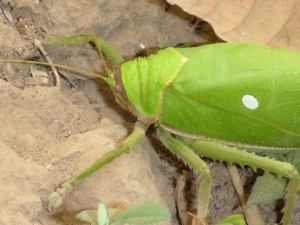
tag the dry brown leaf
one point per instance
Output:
(272, 22)
(179, 200)
(253, 214)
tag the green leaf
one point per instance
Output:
(102, 214)
(293, 157)
(89, 216)
(148, 212)
(233, 220)
(112, 212)
(267, 188)
(276, 155)
(94, 217)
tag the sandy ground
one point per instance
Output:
(48, 134)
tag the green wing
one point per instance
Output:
(205, 99)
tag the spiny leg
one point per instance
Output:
(194, 161)
(222, 152)
(56, 198)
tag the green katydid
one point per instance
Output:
(217, 99)
(245, 101)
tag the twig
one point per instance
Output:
(40, 47)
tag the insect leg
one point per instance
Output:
(56, 198)
(222, 152)
(103, 45)
(194, 161)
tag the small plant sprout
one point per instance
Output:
(148, 212)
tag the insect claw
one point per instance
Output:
(55, 199)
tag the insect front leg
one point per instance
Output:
(100, 42)
(56, 198)
(194, 161)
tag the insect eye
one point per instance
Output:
(117, 89)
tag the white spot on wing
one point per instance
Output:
(250, 102)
